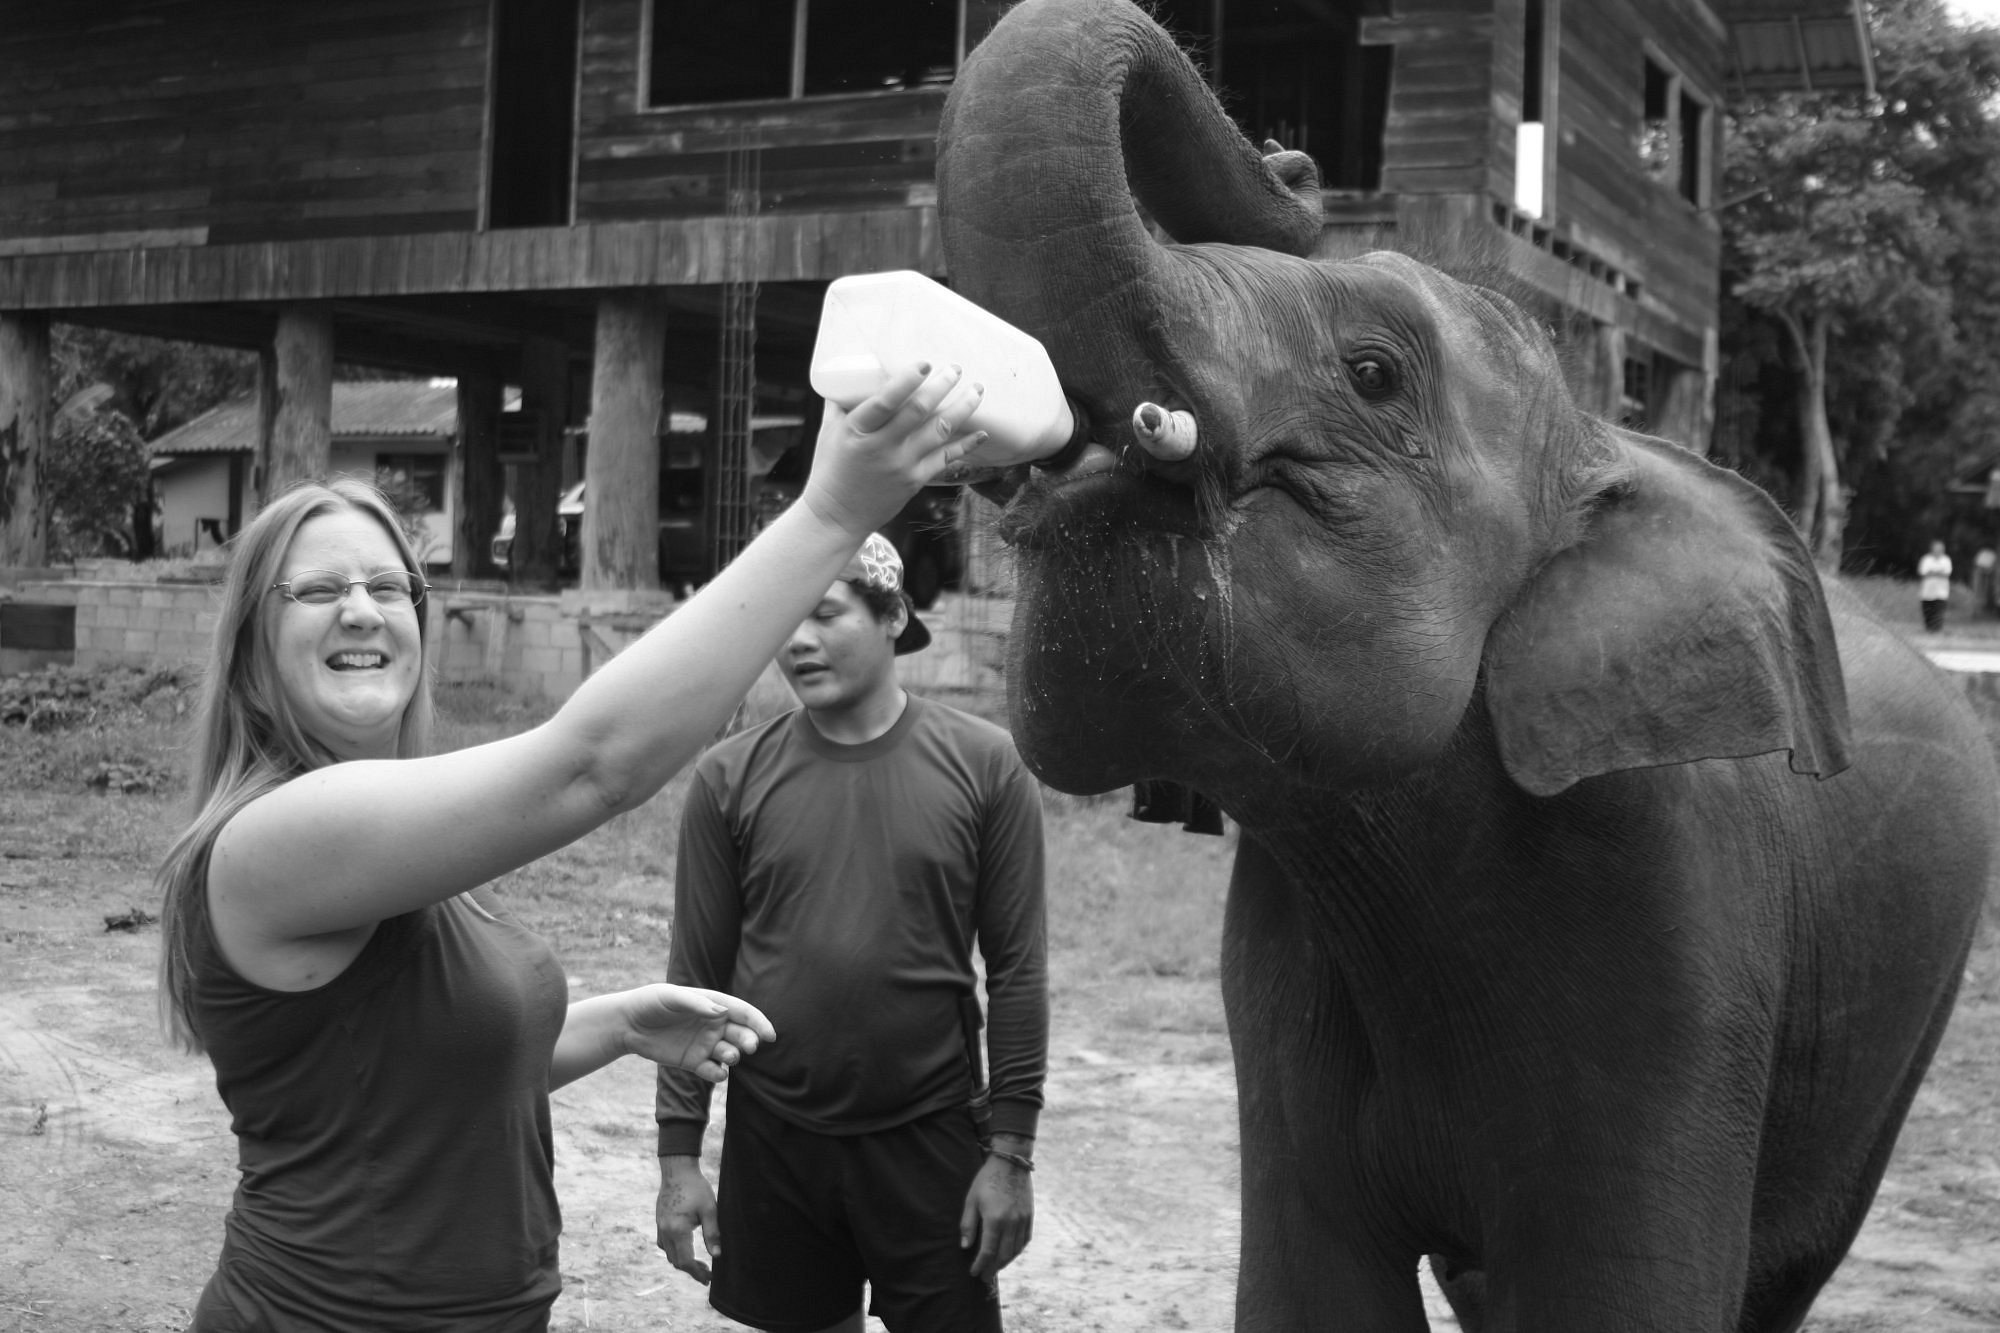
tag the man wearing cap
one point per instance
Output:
(836, 866)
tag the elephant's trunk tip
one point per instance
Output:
(1169, 436)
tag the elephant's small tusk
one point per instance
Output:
(1167, 436)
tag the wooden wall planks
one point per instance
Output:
(783, 247)
(863, 151)
(238, 123)
(1640, 224)
(250, 120)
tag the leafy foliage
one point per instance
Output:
(155, 383)
(411, 501)
(95, 478)
(114, 392)
(1862, 293)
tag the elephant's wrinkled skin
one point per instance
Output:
(1591, 928)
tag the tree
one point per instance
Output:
(157, 383)
(1846, 229)
(114, 392)
(95, 472)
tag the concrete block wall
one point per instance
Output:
(547, 647)
(528, 645)
(120, 623)
(542, 645)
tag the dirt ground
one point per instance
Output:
(116, 1161)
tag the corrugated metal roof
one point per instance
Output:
(1798, 45)
(361, 409)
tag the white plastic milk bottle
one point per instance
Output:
(875, 320)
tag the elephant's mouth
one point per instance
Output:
(1097, 499)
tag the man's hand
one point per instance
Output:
(685, 1202)
(999, 1214)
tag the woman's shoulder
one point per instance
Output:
(384, 949)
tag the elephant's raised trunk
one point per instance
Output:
(1065, 117)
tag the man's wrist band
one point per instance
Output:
(1014, 1158)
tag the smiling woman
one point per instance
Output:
(385, 1043)
(347, 656)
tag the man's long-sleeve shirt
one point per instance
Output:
(841, 888)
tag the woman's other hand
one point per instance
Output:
(870, 461)
(684, 1027)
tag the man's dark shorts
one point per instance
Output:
(807, 1218)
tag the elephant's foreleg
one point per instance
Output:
(1298, 1273)
(1313, 1252)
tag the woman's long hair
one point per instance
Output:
(247, 736)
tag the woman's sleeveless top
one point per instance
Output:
(393, 1133)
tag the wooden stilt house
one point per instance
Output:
(628, 208)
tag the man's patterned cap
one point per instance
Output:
(877, 565)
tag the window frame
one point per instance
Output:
(1547, 64)
(424, 462)
(1679, 91)
(801, 33)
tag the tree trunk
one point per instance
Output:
(1832, 536)
(24, 436)
(1822, 500)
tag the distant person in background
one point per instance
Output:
(1934, 586)
(1982, 579)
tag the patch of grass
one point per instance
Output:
(62, 728)
(472, 713)
(1131, 899)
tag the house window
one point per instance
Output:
(1531, 140)
(1297, 71)
(417, 475)
(1673, 130)
(704, 51)
(1635, 394)
(1656, 132)
(1694, 163)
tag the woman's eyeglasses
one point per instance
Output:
(323, 587)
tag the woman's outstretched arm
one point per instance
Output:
(344, 846)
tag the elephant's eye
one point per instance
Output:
(1373, 376)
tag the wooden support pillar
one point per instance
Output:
(24, 436)
(1679, 402)
(536, 556)
(295, 400)
(621, 518)
(481, 481)
(1606, 394)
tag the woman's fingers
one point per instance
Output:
(949, 417)
(905, 383)
(872, 459)
(911, 405)
(747, 1024)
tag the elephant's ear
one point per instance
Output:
(1688, 623)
